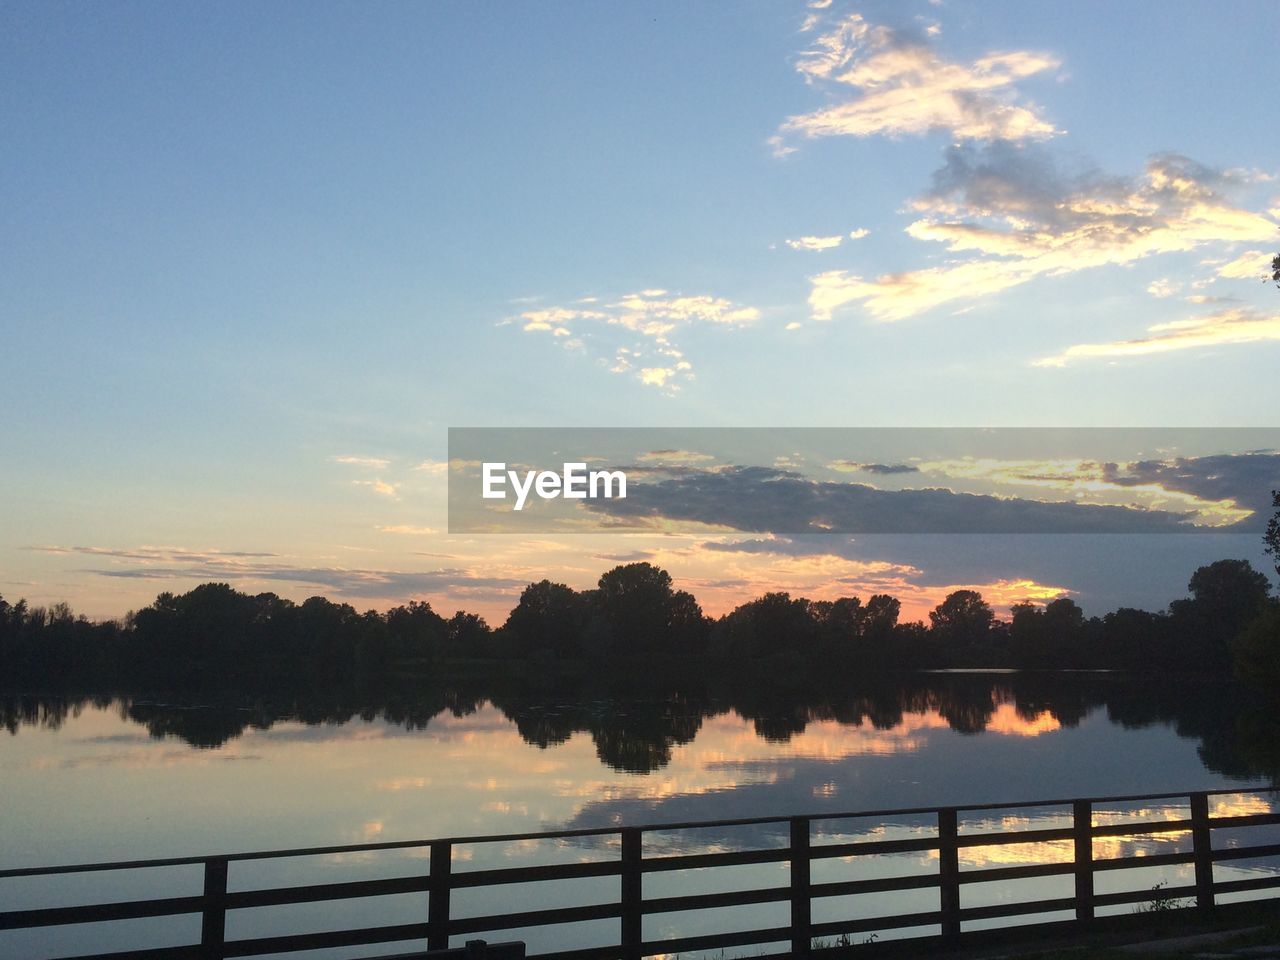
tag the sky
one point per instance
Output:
(258, 261)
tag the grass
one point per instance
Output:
(1161, 902)
(1251, 938)
(1159, 919)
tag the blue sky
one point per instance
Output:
(259, 259)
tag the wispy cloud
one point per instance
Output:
(815, 243)
(157, 554)
(171, 563)
(1233, 325)
(674, 456)
(377, 463)
(901, 86)
(380, 487)
(634, 335)
(1254, 265)
(883, 469)
(408, 530)
(1015, 217)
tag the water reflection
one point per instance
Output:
(149, 774)
(636, 729)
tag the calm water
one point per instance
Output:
(118, 778)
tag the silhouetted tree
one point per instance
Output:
(207, 631)
(880, 619)
(1027, 633)
(961, 621)
(636, 611)
(1052, 636)
(467, 635)
(1272, 537)
(840, 627)
(1135, 639)
(1229, 589)
(1226, 595)
(416, 630)
(549, 620)
(1256, 652)
(774, 624)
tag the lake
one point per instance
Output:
(123, 777)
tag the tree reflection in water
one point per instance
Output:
(636, 724)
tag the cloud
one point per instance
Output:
(1203, 298)
(767, 500)
(903, 86)
(1012, 216)
(826, 567)
(633, 335)
(656, 376)
(674, 456)
(380, 487)
(377, 463)
(859, 233)
(884, 469)
(157, 554)
(1233, 325)
(433, 467)
(1254, 265)
(1244, 479)
(408, 530)
(1103, 572)
(167, 563)
(1163, 288)
(342, 581)
(815, 243)
(1221, 490)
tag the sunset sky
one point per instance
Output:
(258, 260)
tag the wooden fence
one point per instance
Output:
(439, 880)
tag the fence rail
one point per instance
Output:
(800, 854)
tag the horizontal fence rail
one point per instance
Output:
(439, 929)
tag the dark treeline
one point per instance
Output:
(636, 722)
(215, 635)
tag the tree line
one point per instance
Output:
(214, 634)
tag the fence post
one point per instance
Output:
(801, 910)
(213, 920)
(949, 872)
(1082, 825)
(1202, 850)
(632, 893)
(438, 890)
